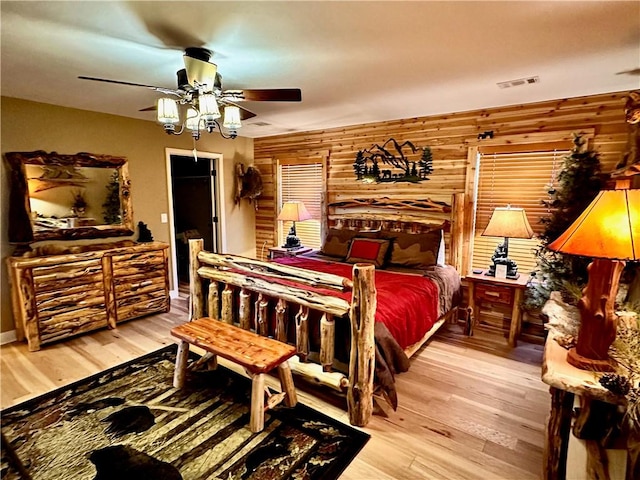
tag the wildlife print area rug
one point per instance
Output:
(130, 423)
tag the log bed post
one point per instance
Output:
(362, 355)
(196, 300)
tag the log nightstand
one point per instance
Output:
(496, 290)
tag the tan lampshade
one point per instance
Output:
(508, 222)
(294, 211)
(608, 228)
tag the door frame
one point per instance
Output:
(217, 190)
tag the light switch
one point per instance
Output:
(163, 218)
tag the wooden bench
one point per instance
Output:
(258, 355)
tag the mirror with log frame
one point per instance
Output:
(68, 197)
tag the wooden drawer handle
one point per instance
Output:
(492, 294)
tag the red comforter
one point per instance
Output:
(406, 304)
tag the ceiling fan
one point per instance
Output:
(199, 92)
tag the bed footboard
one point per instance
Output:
(246, 292)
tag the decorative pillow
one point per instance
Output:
(337, 242)
(414, 250)
(368, 250)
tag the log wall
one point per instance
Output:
(451, 138)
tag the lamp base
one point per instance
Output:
(287, 247)
(490, 273)
(584, 363)
(292, 242)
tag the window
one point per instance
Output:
(302, 181)
(520, 177)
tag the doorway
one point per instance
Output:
(194, 207)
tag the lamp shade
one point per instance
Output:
(508, 222)
(208, 106)
(168, 111)
(232, 117)
(193, 119)
(294, 211)
(608, 228)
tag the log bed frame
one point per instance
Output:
(232, 283)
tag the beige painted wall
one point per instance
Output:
(28, 126)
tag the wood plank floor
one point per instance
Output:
(469, 408)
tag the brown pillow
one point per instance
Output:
(338, 240)
(368, 250)
(414, 250)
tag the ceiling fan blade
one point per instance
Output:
(167, 91)
(149, 109)
(271, 95)
(246, 114)
(633, 71)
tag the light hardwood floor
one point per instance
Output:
(469, 408)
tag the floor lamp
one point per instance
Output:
(609, 231)
(294, 212)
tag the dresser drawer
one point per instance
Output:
(494, 293)
(133, 306)
(138, 263)
(69, 298)
(72, 323)
(138, 284)
(63, 276)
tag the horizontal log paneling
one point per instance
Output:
(449, 137)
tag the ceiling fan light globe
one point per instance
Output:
(208, 106)
(232, 117)
(168, 111)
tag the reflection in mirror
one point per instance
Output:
(73, 197)
(68, 196)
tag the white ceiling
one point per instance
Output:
(356, 62)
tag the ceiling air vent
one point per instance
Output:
(519, 82)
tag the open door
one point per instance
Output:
(194, 207)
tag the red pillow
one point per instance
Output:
(368, 250)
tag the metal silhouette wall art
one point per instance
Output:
(393, 162)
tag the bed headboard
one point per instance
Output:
(415, 216)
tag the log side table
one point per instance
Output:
(565, 382)
(497, 290)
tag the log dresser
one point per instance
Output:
(58, 292)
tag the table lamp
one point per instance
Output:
(506, 222)
(609, 231)
(295, 212)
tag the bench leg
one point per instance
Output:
(208, 358)
(257, 403)
(286, 383)
(181, 364)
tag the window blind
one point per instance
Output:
(302, 182)
(519, 179)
